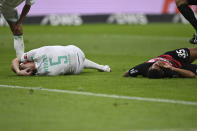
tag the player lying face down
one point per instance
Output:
(172, 64)
(54, 60)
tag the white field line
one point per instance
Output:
(105, 95)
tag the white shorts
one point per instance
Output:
(10, 14)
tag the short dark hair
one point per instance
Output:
(154, 74)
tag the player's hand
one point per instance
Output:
(25, 72)
(167, 65)
(160, 64)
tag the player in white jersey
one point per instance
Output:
(54, 60)
(9, 11)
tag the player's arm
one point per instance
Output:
(15, 67)
(181, 72)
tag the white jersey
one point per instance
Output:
(56, 60)
(8, 8)
(15, 3)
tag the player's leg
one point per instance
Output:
(92, 65)
(193, 54)
(85, 63)
(11, 17)
(18, 39)
(187, 12)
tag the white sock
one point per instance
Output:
(19, 45)
(92, 65)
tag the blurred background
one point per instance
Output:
(77, 12)
(85, 7)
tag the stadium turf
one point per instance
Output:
(121, 47)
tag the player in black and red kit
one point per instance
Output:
(176, 63)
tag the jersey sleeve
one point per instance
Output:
(28, 56)
(29, 2)
(139, 70)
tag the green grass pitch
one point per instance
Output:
(121, 47)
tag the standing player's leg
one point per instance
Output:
(187, 12)
(92, 65)
(18, 39)
(11, 17)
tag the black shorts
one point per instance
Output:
(192, 2)
(182, 55)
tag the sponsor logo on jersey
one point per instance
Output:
(46, 65)
(25, 56)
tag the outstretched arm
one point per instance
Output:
(182, 72)
(16, 69)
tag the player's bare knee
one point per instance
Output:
(181, 2)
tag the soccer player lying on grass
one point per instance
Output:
(54, 60)
(176, 63)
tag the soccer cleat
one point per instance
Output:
(194, 39)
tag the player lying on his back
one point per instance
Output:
(176, 63)
(54, 60)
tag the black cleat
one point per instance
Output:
(194, 39)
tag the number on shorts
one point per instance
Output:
(181, 53)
